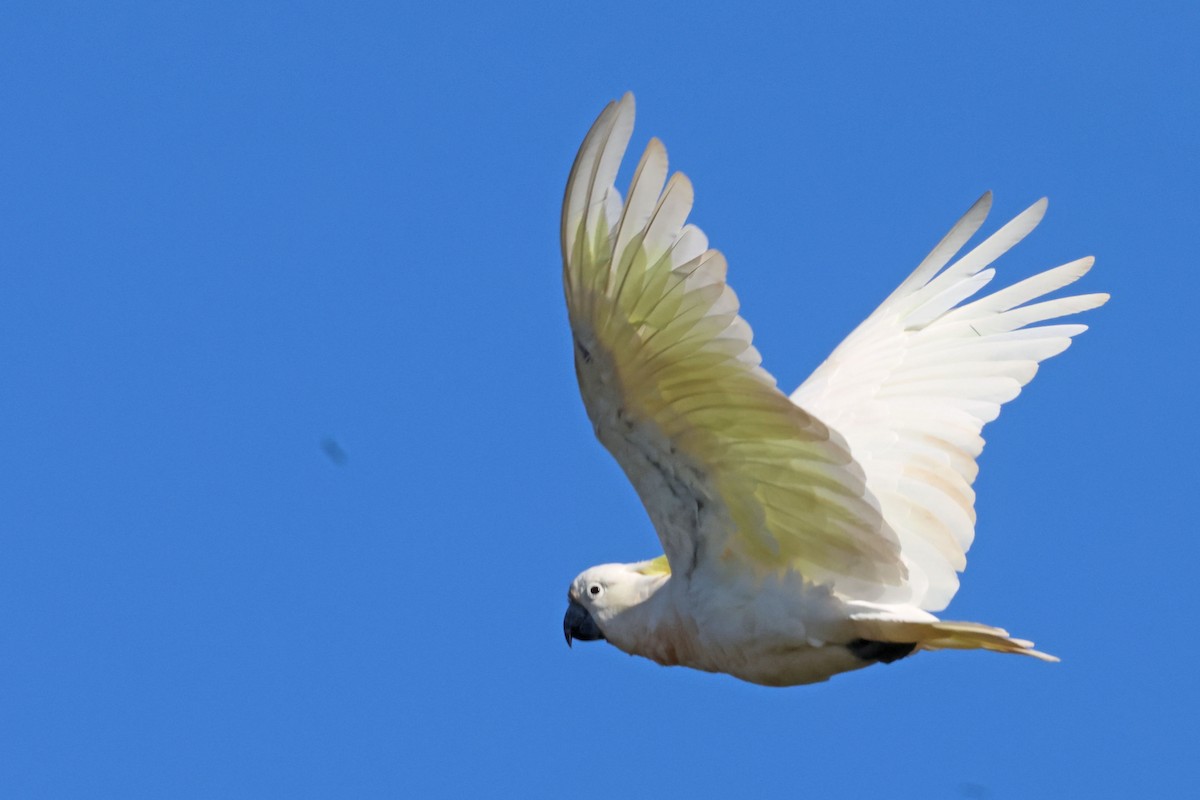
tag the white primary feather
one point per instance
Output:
(911, 388)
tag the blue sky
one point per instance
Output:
(233, 233)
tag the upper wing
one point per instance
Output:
(911, 388)
(726, 465)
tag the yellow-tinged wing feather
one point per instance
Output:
(727, 467)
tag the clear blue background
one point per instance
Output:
(241, 241)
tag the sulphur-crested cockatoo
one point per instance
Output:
(808, 535)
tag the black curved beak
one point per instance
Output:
(578, 624)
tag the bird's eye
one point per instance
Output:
(595, 590)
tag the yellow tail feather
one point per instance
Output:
(947, 635)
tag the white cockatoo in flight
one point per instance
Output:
(803, 535)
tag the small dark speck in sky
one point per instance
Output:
(334, 450)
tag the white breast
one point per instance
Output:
(775, 631)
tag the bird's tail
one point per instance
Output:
(946, 635)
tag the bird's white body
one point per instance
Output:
(778, 632)
(806, 535)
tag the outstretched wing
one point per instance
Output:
(726, 466)
(911, 388)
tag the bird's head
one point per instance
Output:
(600, 596)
